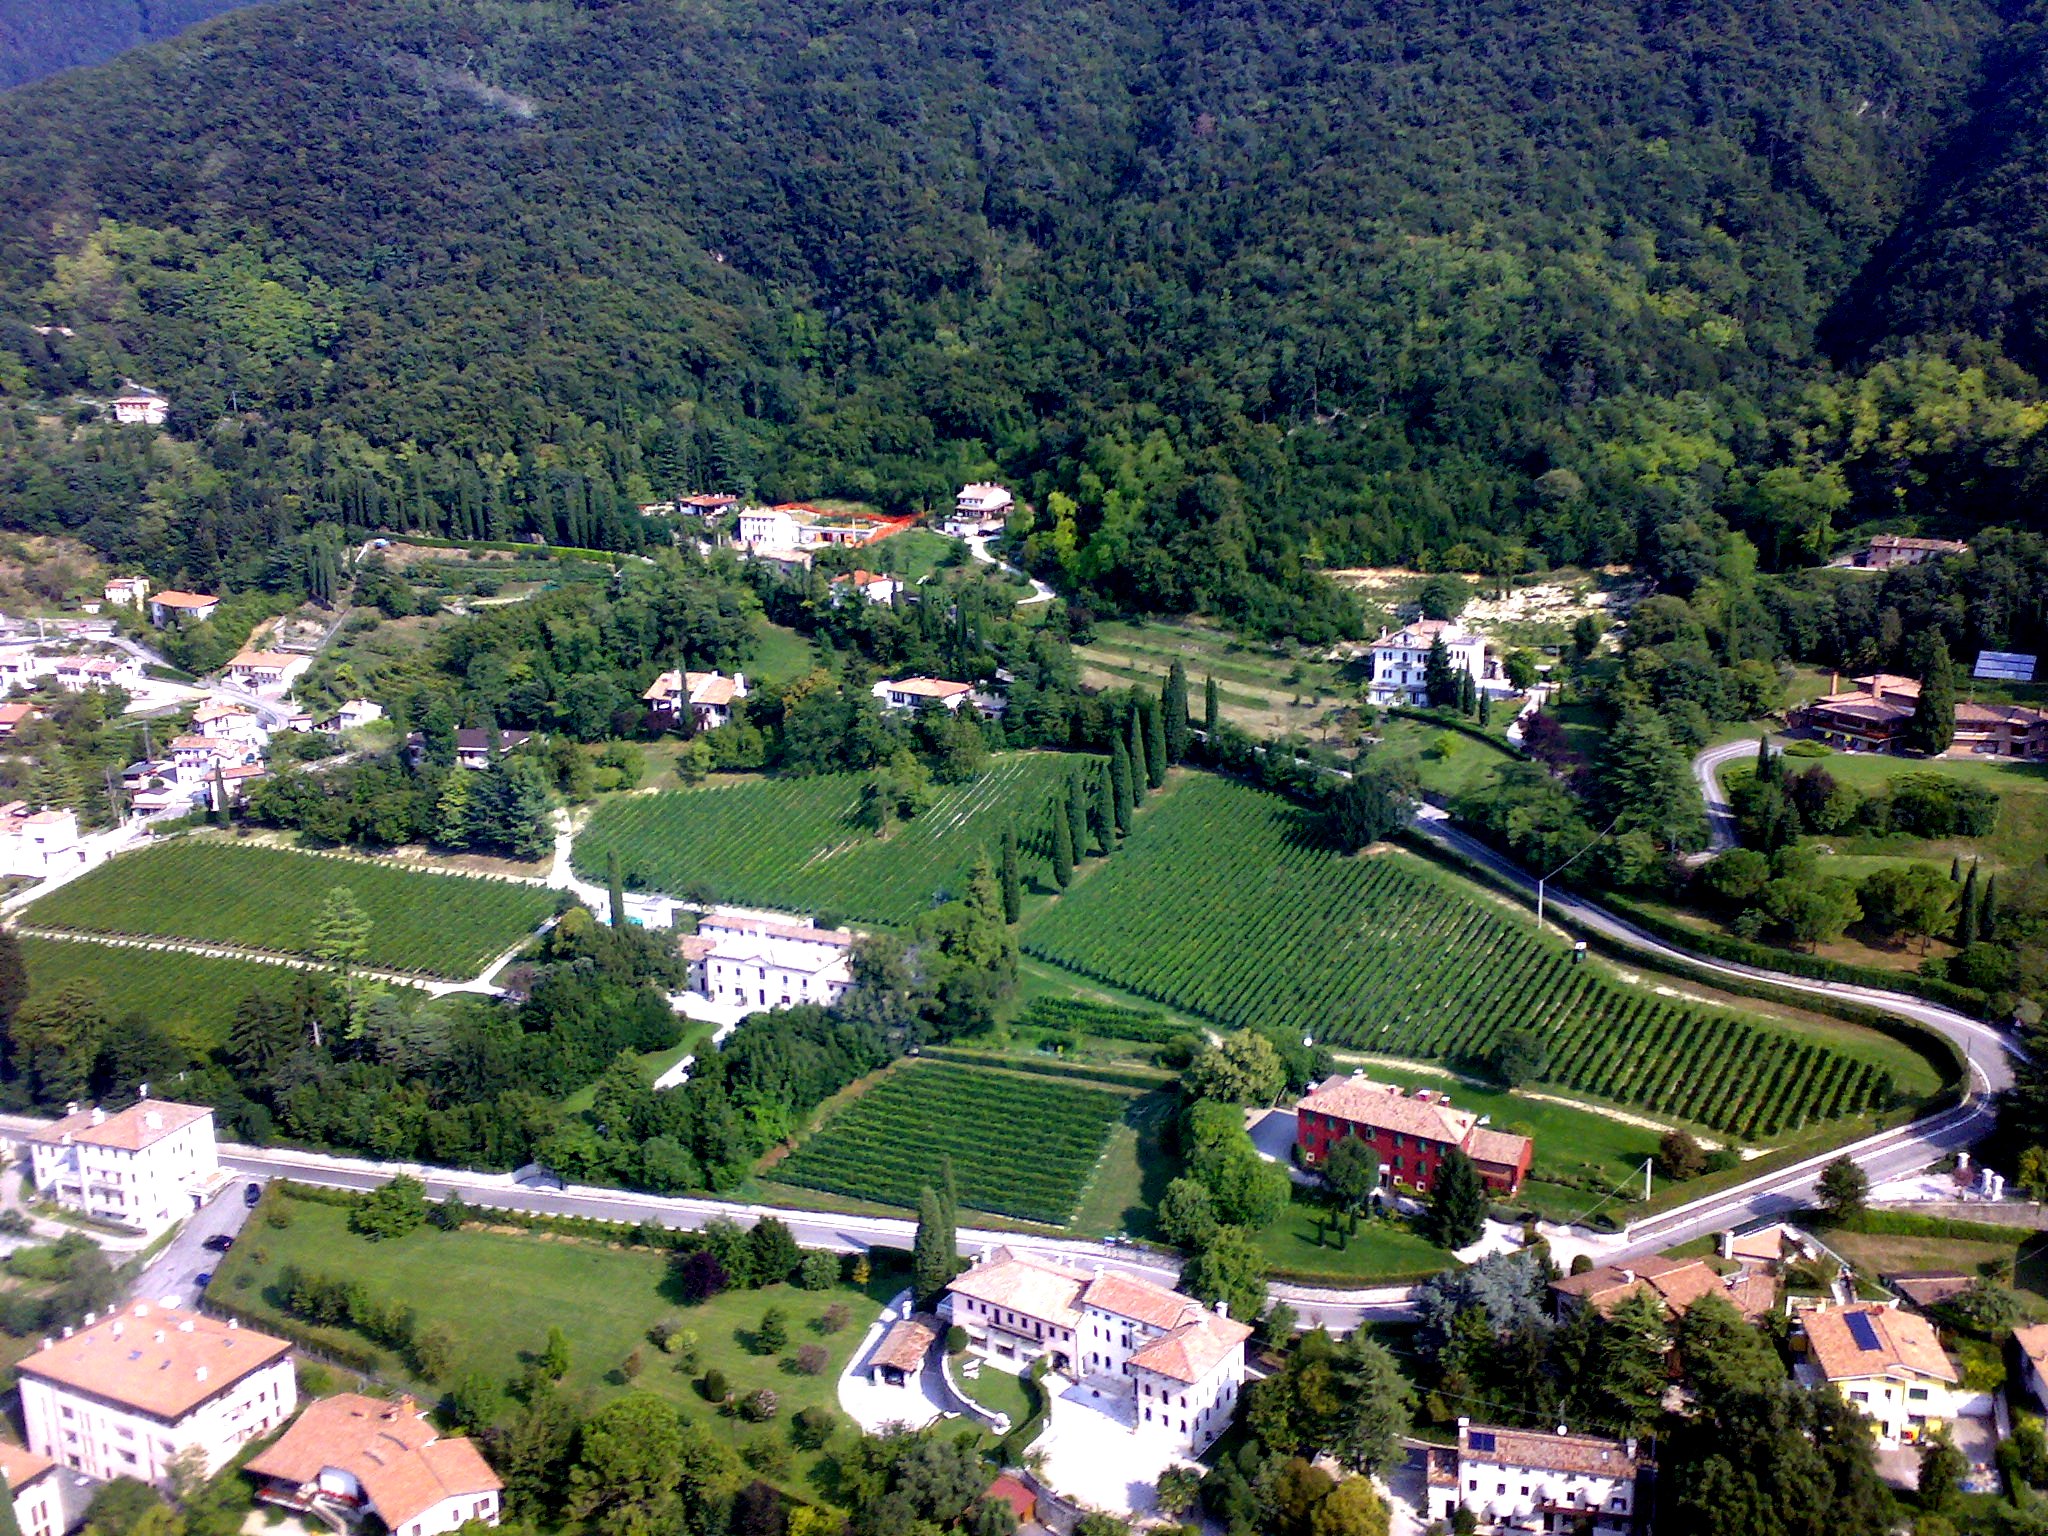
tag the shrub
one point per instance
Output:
(817, 1272)
(1679, 1156)
(714, 1386)
(956, 1340)
(768, 1457)
(630, 1367)
(812, 1427)
(758, 1406)
(812, 1359)
(773, 1333)
(391, 1210)
(837, 1315)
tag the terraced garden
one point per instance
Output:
(794, 844)
(1224, 904)
(270, 898)
(1021, 1146)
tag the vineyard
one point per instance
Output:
(192, 996)
(1222, 903)
(1105, 1021)
(794, 844)
(269, 899)
(1022, 1147)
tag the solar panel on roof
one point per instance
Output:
(1480, 1439)
(1863, 1331)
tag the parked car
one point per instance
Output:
(251, 1193)
(203, 1279)
(220, 1242)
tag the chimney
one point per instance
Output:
(152, 1120)
(159, 1336)
(1628, 1277)
(1464, 1422)
(99, 1116)
(1223, 1309)
(143, 1090)
(67, 1332)
(43, 1342)
(91, 1318)
(199, 1373)
(185, 1325)
(1727, 1244)
(1562, 1430)
(234, 1323)
(1877, 686)
(118, 1329)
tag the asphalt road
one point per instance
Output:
(173, 1275)
(1720, 815)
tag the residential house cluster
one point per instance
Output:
(222, 750)
(1872, 716)
(1676, 1285)
(38, 843)
(790, 532)
(1172, 1367)
(32, 663)
(352, 1456)
(869, 585)
(1411, 1132)
(745, 960)
(1400, 661)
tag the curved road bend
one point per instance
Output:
(1706, 768)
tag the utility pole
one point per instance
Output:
(1544, 880)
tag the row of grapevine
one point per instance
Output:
(1020, 1146)
(1223, 904)
(1104, 1020)
(796, 844)
(270, 898)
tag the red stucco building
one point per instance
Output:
(1411, 1132)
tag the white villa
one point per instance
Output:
(792, 526)
(96, 674)
(709, 695)
(147, 1167)
(756, 962)
(349, 1456)
(37, 844)
(875, 588)
(1525, 1480)
(1400, 660)
(182, 608)
(1173, 1364)
(1888, 1364)
(139, 406)
(229, 722)
(980, 508)
(126, 1394)
(266, 671)
(126, 591)
(916, 692)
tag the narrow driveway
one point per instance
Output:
(172, 1276)
(1720, 814)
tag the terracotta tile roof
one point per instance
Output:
(405, 1468)
(1049, 1293)
(1892, 1343)
(162, 1361)
(928, 687)
(2033, 1343)
(1141, 1301)
(1678, 1283)
(761, 927)
(1496, 1147)
(175, 599)
(1755, 1294)
(1439, 1466)
(904, 1346)
(1190, 1352)
(1931, 546)
(1420, 635)
(1585, 1454)
(22, 1466)
(1008, 1490)
(690, 947)
(1385, 1107)
(1765, 1245)
(14, 714)
(1927, 1288)
(140, 1125)
(266, 661)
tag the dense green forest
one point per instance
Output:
(40, 37)
(1234, 290)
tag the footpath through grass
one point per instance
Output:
(499, 1292)
(214, 891)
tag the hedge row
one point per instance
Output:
(1910, 1224)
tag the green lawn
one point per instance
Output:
(1379, 1250)
(1446, 762)
(998, 1391)
(696, 1033)
(780, 655)
(1133, 1173)
(214, 890)
(192, 996)
(500, 1292)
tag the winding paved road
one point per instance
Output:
(1720, 814)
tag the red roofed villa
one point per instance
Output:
(1410, 1132)
(349, 1455)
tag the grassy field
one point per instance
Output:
(500, 1292)
(792, 843)
(1445, 762)
(1303, 1243)
(268, 898)
(2020, 838)
(779, 654)
(1269, 689)
(1021, 1146)
(1224, 904)
(191, 995)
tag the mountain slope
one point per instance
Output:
(40, 37)
(1256, 283)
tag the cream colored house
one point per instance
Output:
(147, 1167)
(127, 1394)
(349, 1456)
(1525, 1480)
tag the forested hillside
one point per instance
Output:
(40, 37)
(1235, 290)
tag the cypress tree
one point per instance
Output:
(615, 887)
(1968, 920)
(1764, 769)
(1135, 753)
(1955, 870)
(1987, 909)
(1062, 847)
(933, 1251)
(1210, 714)
(1013, 878)
(1155, 747)
(1933, 725)
(1486, 709)
(1173, 703)
(1457, 1202)
(1076, 813)
(1120, 784)
(1104, 814)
